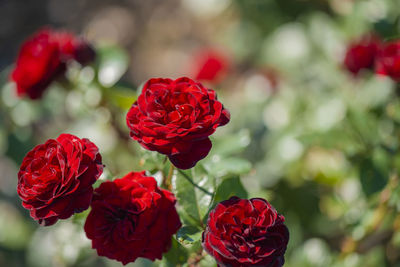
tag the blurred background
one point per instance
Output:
(318, 143)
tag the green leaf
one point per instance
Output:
(364, 126)
(228, 188)
(372, 176)
(220, 167)
(152, 161)
(231, 144)
(176, 255)
(80, 218)
(123, 97)
(113, 63)
(386, 28)
(335, 138)
(194, 193)
(189, 234)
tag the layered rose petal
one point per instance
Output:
(55, 179)
(43, 57)
(188, 159)
(175, 118)
(243, 233)
(132, 217)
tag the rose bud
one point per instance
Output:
(242, 232)
(132, 217)
(55, 179)
(42, 59)
(210, 65)
(361, 54)
(388, 60)
(175, 118)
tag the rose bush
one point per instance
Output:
(55, 178)
(243, 232)
(43, 57)
(132, 217)
(175, 118)
(319, 141)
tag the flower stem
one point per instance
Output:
(194, 184)
(195, 260)
(167, 180)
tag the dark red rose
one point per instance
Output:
(55, 179)
(43, 57)
(388, 60)
(243, 233)
(84, 53)
(361, 54)
(73, 47)
(210, 65)
(132, 217)
(175, 118)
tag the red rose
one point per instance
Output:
(132, 217)
(72, 47)
(362, 54)
(55, 179)
(43, 57)
(210, 65)
(243, 233)
(388, 60)
(175, 118)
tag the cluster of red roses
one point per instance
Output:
(371, 53)
(44, 57)
(132, 216)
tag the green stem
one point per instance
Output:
(195, 259)
(194, 184)
(167, 180)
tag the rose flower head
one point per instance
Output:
(242, 232)
(210, 65)
(55, 179)
(43, 58)
(361, 54)
(176, 118)
(132, 217)
(388, 60)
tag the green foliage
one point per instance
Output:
(228, 188)
(122, 97)
(112, 64)
(373, 177)
(220, 167)
(231, 144)
(194, 194)
(176, 255)
(189, 234)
